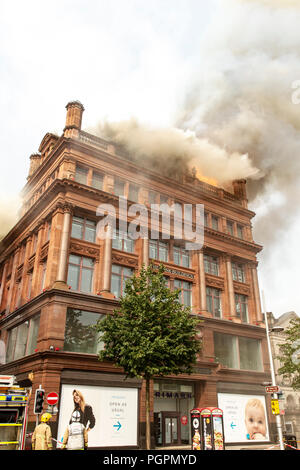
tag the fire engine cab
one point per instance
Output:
(13, 414)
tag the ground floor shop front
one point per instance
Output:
(115, 406)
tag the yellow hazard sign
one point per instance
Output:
(275, 407)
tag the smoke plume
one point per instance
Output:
(243, 99)
(239, 118)
(175, 152)
(9, 208)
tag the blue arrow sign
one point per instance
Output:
(118, 425)
(232, 425)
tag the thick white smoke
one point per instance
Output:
(242, 99)
(175, 151)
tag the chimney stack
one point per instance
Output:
(73, 119)
(239, 189)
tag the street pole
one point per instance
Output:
(275, 396)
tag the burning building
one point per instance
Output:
(58, 279)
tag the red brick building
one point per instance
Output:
(57, 278)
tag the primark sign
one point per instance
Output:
(173, 395)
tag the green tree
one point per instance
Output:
(151, 333)
(290, 354)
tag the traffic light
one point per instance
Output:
(38, 401)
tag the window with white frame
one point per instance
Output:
(211, 264)
(213, 301)
(80, 273)
(83, 229)
(185, 295)
(119, 276)
(238, 272)
(158, 250)
(97, 180)
(121, 241)
(181, 257)
(81, 174)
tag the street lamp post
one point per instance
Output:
(275, 396)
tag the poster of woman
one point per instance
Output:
(109, 414)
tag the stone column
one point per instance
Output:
(232, 312)
(61, 279)
(12, 281)
(3, 282)
(202, 284)
(146, 252)
(25, 268)
(36, 270)
(259, 314)
(107, 262)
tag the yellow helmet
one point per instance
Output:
(45, 417)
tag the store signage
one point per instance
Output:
(178, 273)
(272, 389)
(172, 395)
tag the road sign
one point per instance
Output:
(275, 407)
(272, 389)
(52, 398)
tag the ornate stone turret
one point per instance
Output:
(240, 192)
(73, 119)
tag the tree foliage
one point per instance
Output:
(290, 354)
(151, 333)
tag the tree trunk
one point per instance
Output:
(148, 422)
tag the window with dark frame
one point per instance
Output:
(241, 306)
(22, 339)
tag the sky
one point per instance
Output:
(165, 63)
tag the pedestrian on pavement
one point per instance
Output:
(42, 437)
(76, 436)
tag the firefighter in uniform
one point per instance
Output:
(42, 437)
